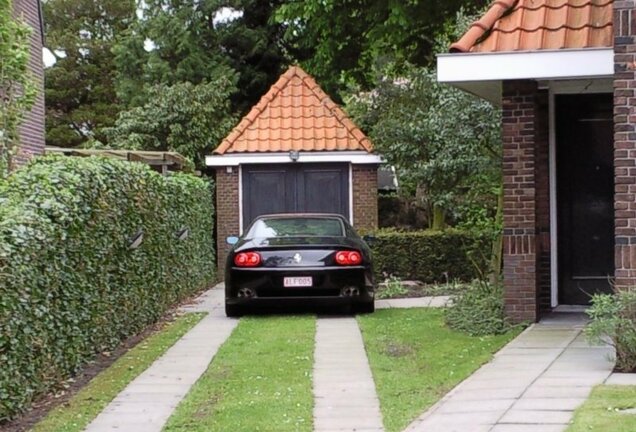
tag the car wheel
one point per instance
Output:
(233, 311)
(366, 307)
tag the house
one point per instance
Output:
(563, 73)
(32, 128)
(295, 151)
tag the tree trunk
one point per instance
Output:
(497, 244)
(439, 218)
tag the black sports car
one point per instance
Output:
(288, 257)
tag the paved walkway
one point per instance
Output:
(532, 385)
(148, 401)
(344, 391)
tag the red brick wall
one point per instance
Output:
(625, 142)
(365, 196)
(32, 129)
(526, 200)
(227, 212)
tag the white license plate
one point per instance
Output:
(305, 281)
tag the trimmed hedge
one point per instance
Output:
(430, 256)
(70, 286)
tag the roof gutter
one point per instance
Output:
(235, 159)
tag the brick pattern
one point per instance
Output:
(542, 179)
(32, 129)
(520, 123)
(625, 142)
(227, 212)
(365, 197)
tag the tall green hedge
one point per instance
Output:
(70, 286)
(430, 256)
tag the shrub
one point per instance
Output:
(70, 286)
(614, 317)
(478, 310)
(430, 256)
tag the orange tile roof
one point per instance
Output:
(295, 114)
(529, 25)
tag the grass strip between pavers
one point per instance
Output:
(415, 359)
(604, 410)
(260, 380)
(82, 408)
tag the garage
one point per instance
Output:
(295, 151)
(297, 188)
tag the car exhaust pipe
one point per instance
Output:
(246, 293)
(350, 292)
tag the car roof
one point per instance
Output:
(301, 215)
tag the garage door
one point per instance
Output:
(295, 188)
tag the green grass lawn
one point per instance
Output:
(416, 359)
(260, 380)
(602, 411)
(78, 412)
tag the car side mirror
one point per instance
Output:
(232, 240)
(369, 239)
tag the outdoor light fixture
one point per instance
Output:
(136, 240)
(294, 155)
(183, 233)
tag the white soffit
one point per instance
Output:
(482, 73)
(236, 159)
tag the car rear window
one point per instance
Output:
(296, 227)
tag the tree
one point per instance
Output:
(185, 118)
(17, 88)
(340, 41)
(190, 41)
(80, 87)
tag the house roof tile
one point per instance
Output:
(529, 25)
(295, 114)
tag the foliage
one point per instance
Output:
(341, 41)
(192, 43)
(17, 88)
(260, 380)
(393, 288)
(80, 86)
(186, 118)
(70, 286)
(82, 408)
(429, 256)
(614, 317)
(416, 360)
(606, 410)
(438, 137)
(478, 310)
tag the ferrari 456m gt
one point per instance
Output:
(291, 257)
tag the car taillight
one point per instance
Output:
(247, 259)
(348, 258)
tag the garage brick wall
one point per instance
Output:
(365, 197)
(32, 129)
(227, 212)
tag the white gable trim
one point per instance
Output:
(236, 159)
(539, 65)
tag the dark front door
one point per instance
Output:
(295, 188)
(585, 196)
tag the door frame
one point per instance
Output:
(589, 86)
(240, 194)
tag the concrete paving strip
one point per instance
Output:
(417, 302)
(622, 379)
(534, 384)
(148, 401)
(344, 392)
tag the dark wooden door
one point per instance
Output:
(295, 188)
(585, 196)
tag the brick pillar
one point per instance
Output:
(625, 142)
(365, 197)
(227, 212)
(520, 118)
